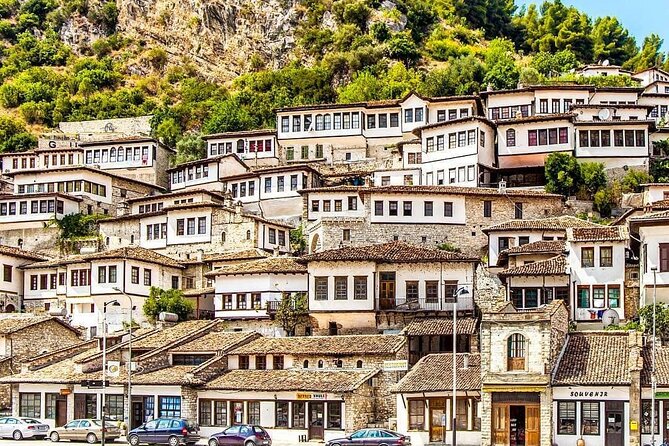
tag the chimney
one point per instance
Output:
(227, 200)
(489, 87)
(199, 254)
(238, 208)
(465, 361)
(275, 251)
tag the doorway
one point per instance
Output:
(615, 431)
(137, 418)
(316, 421)
(517, 425)
(387, 291)
(61, 411)
(437, 419)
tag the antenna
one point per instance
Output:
(606, 63)
(604, 114)
(501, 186)
(610, 317)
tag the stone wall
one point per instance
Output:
(360, 410)
(42, 240)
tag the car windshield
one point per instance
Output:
(30, 421)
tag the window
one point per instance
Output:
(606, 256)
(321, 287)
(587, 257)
(204, 413)
(532, 137)
(618, 139)
(169, 406)
(518, 210)
(510, 137)
(338, 205)
(646, 413)
(254, 407)
(487, 208)
(290, 154)
(202, 225)
(543, 105)
(516, 352)
(134, 275)
(371, 121)
(583, 296)
(360, 288)
(502, 244)
(261, 362)
(346, 235)
(341, 288)
(408, 115)
(352, 203)
(115, 407)
(523, 240)
(448, 208)
(30, 405)
(279, 184)
(281, 416)
(598, 296)
(431, 291)
(407, 208)
(416, 415)
(272, 236)
(412, 291)
(664, 257)
(147, 277)
(614, 296)
(563, 135)
(428, 208)
(334, 414)
(392, 208)
(327, 205)
(590, 418)
(430, 144)
(566, 418)
(7, 273)
(180, 226)
(299, 415)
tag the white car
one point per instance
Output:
(22, 427)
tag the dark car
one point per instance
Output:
(375, 437)
(241, 435)
(171, 431)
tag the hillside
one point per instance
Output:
(211, 66)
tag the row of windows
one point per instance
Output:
(64, 186)
(452, 114)
(621, 138)
(242, 301)
(276, 237)
(555, 105)
(598, 296)
(190, 174)
(460, 175)
(156, 231)
(304, 152)
(187, 226)
(466, 413)
(536, 297)
(119, 155)
(336, 121)
(605, 257)
(509, 112)
(153, 207)
(36, 207)
(589, 418)
(541, 137)
(82, 277)
(46, 281)
(241, 146)
(56, 158)
(260, 362)
(414, 158)
(25, 162)
(384, 120)
(341, 288)
(326, 205)
(662, 111)
(407, 208)
(456, 139)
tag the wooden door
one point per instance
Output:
(615, 431)
(437, 419)
(532, 420)
(137, 414)
(500, 424)
(387, 291)
(316, 421)
(61, 411)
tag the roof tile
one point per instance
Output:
(324, 345)
(269, 265)
(323, 380)
(432, 374)
(603, 234)
(556, 223)
(440, 326)
(396, 251)
(554, 266)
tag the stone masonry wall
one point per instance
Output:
(359, 408)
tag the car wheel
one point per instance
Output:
(17, 435)
(213, 442)
(91, 438)
(249, 443)
(54, 437)
(173, 441)
(133, 440)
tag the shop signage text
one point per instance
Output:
(311, 396)
(589, 394)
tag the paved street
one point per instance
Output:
(119, 442)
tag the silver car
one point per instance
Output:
(22, 427)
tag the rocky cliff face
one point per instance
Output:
(221, 36)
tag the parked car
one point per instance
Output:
(20, 427)
(170, 431)
(88, 430)
(241, 435)
(376, 437)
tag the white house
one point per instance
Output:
(250, 145)
(13, 260)
(652, 230)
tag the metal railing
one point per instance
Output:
(423, 304)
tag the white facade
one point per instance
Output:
(256, 144)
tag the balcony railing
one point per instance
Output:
(273, 307)
(423, 304)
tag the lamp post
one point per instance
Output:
(653, 383)
(462, 291)
(129, 367)
(104, 365)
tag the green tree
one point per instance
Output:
(14, 137)
(292, 312)
(168, 132)
(460, 76)
(612, 41)
(563, 174)
(661, 319)
(603, 202)
(74, 226)
(553, 64)
(169, 301)
(633, 180)
(501, 69)
(402, 47)
(649, 56)
(190, 148)
(228, 116)
(593, 177)
(298, 241)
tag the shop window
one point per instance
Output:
(334, 415)
(281, 414)
(566, 418)
(646, 419)
(204, 413)
(254, 412)
(30, 405)
(169, 406)
(590, 418)
(299, 415)
(416, 415)
(220, 413)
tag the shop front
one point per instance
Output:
(516, 418)
(599, 415)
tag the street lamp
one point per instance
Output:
(462, 291)
(653, 383)
(129, 366)
(104, 364)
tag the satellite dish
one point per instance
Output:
(606, 63)
(604, 114)
(610, 317)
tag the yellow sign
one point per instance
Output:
(311, 396)
(634, 425)
(65, 391)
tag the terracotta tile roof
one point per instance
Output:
(14, 323)
(118, 140)
(661, 215)
(452, 122)
(541, 246)
(74, 169)
(325, 345)
(268, 221)
(439, 190)
(440, 326)
(172, 375)
(199, 291)
(397, 252)
(537, 118)
(603, 234)
(154, 197)
(269, 265)
(594, 358)
(315, 380)
(129, 252)
(433, 374)
(63, 372)
(17, 252)
(170, 334)
(661, 365)
(246, 254)
(659, 205)
(542, 224)
(216, 341)
(554, 266)
(240, 133)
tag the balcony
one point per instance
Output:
(273, 307)
(402, 304)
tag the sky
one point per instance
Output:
(640, 17)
